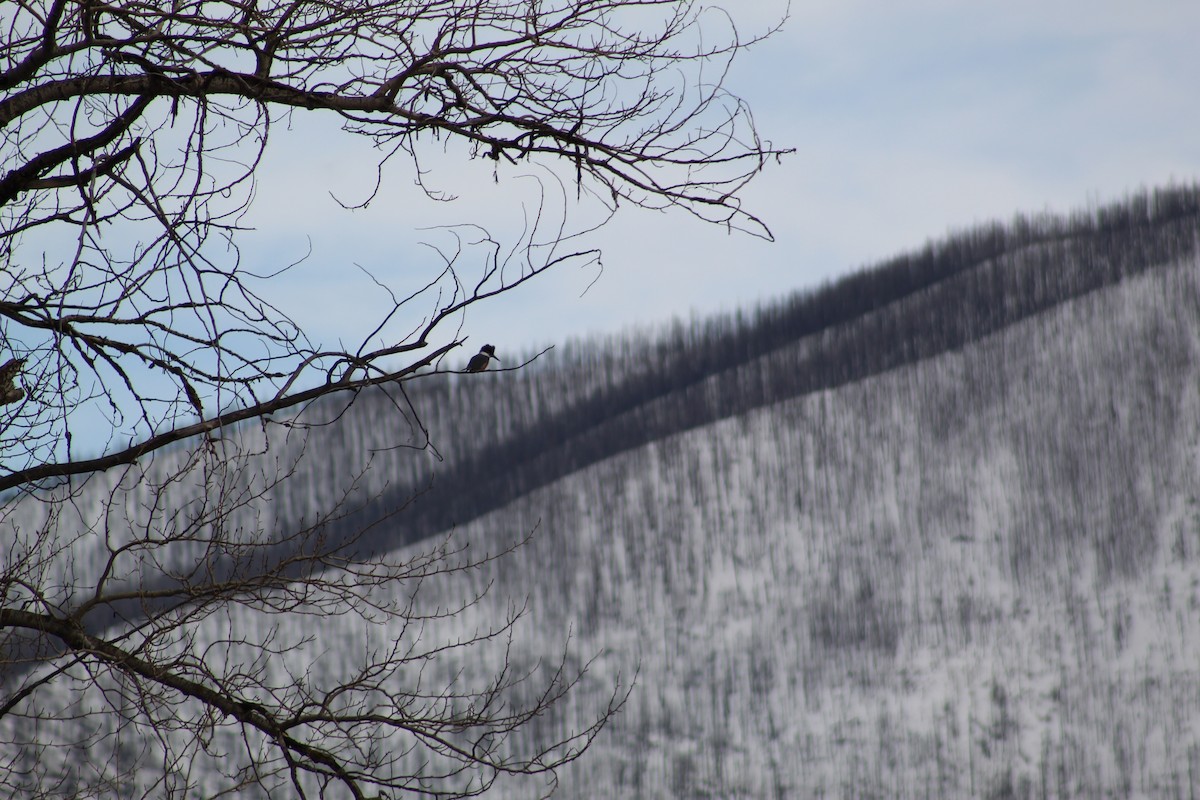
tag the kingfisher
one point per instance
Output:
(479, 362)
(9, 391)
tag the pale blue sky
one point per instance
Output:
(909, 119)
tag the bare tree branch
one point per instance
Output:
(153, 598)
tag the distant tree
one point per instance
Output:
(131, 135)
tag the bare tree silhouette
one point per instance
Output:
(131, 135)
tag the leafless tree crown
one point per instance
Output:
(131, 134)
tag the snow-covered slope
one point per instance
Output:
(974, 575)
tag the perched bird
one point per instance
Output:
(9, 391)
(479, 362)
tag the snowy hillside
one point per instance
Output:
(954, 565)
(975, 576)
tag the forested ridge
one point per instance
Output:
(606, 397)
(399, 467)
(967, 569)
(876, 539)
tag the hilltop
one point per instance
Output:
(929, 531)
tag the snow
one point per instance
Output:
(978, 575)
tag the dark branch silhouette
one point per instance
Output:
(148, 590)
